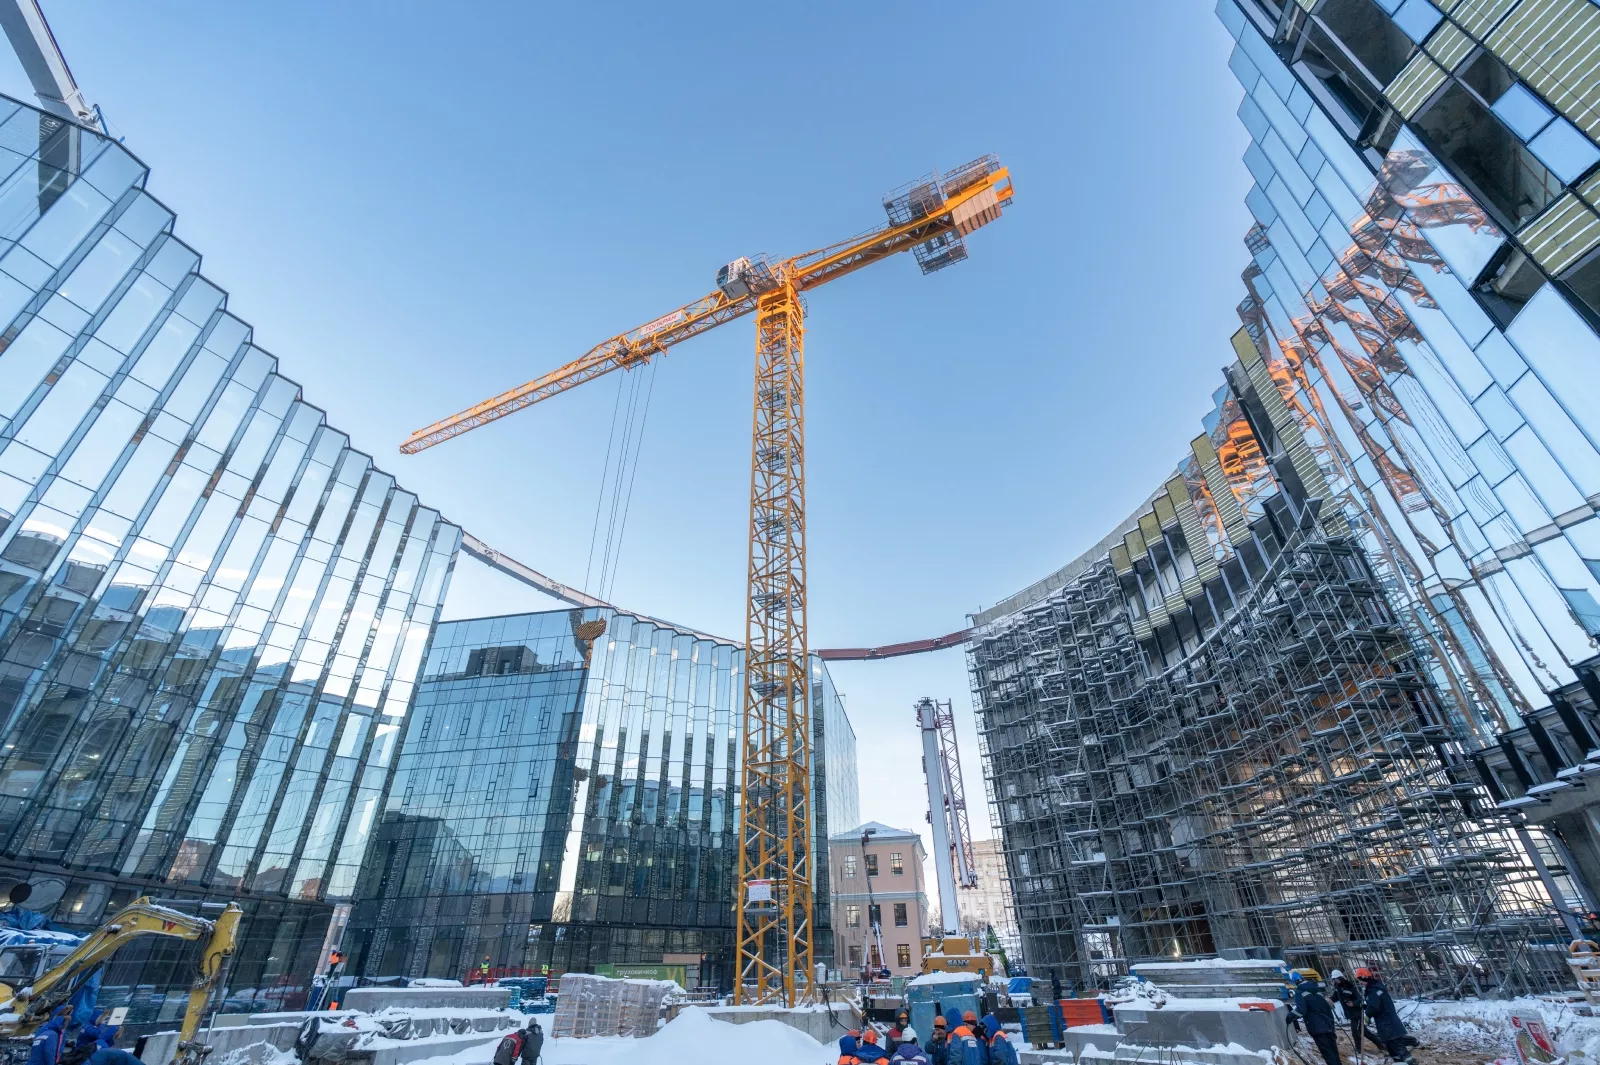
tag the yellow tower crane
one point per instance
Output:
(929, 218)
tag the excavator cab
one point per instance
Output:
(24, 957)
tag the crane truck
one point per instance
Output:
(41, 971)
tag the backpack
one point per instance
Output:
(508, 1050)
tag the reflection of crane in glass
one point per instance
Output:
(930, 219)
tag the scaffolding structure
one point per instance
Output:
(1294, 786)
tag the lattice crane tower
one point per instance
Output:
(929, 218)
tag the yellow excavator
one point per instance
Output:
(37, 978)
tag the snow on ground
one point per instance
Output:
(1478, 1031)
(694, 1035)
(1483, 1026)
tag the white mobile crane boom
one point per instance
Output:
(952, 841)
(938, 815)
(44, 64)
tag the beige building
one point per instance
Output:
(990, 903)
(882, 875)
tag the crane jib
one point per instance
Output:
(773, 891)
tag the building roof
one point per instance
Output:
(880, 832)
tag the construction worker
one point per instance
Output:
(1317, 1012)
(1352, 1003)
(908, 1053)
(532, 1043)
(1385, 1018)
(847, 1048)
(939, 1042)
(1001, 1052)
(868, 1051)
(902, 1021)
(965, 1041)
(46, 1048)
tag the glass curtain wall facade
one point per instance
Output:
(557, 807)
(212, 607)
(1425, 289)
(1406, 450)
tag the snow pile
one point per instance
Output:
(1481, 1028)
(694, 1035)
(941, 977)
(258, 1054)
(1137, 993)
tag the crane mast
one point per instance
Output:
(930, 217)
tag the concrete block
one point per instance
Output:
(812, 1020)
(161, 1047)
(373, 999)
(403, 1053)
(1179, 1025)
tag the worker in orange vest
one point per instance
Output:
(847, 1048)
(965, 1040)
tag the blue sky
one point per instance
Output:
(420, 205)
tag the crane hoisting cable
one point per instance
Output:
(930, 218)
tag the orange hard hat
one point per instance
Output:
(1363, 973)
(969, 1017)
(939, 1021)
(870, 1035)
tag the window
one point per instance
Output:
(902, 955)
(1486, 155)
(872, 865)
(875, 915)
(854, 954)
(852, 916)
(850, 866)
(897, 865)
(1381, 47)
(899, 915)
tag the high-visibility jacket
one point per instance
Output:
(1001, 1052)
(973, 1048)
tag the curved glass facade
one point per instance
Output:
(1373, 586)
(1406, 304)
(212, 607)
(554, 811)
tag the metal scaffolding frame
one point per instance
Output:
(1294, 786)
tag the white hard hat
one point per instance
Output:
(1336, 975)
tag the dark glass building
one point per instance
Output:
(212, 607)
(560, 806)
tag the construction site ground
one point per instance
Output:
(1475, 1032)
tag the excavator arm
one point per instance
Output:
(141, 917)
(213, 965)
